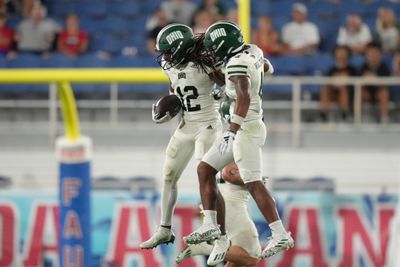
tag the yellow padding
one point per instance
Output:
(244, 19)
(103, 75)
(69, 111)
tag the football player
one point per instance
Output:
(192, 79)
(245, 249)
(242, 142)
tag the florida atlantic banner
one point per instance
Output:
(330, 230)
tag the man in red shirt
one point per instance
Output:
(72, 41)
(6, 36)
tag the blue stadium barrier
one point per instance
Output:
(23, 60)
(319, 64)
(58, 61)
(3, 63)
(289, 65)
(357, 60)
(109, 44)
(91, 61)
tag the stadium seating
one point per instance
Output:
(24, 61)
(117, 24)
(58, 61)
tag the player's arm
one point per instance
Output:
(218, 77)
(242, 86)
(268, 68)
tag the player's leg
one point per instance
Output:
(209, 230)
(204, 141)
(383, 102)
(179, 151)
(325, 96)
(245, 247)
(248, 157)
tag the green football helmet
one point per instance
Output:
(173, 42)
(222, 39)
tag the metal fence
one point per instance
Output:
(295, 104)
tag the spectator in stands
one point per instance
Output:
(374, 66)
(19, 7)
(180, 11)
(339, 93)
(300, 35)
(37, 33)
(215, 7)
(266, 38)
(355, 34)
(158, 21)
(6, 36)
(202, 20)
(387, 31)
(73, 41)
(3, 6)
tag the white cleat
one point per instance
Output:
(206, 232)
(161, 236)
(277, 244)
(218, 253)
(194, 249)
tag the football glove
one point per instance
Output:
(217, 91)
(226, 144)
(224, 110)
(157, 118)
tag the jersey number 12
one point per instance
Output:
(191, 93)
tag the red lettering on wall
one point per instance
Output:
(73, 256)
(72, 226)
(355, 228)
(314, 250)
(131, 217)
(45, 216)
(7, 235)
(185, 216)
(70, 190)
(385, 217)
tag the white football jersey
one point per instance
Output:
(193, 87)
(250, 63)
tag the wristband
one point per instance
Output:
(237, 119)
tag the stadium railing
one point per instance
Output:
(295, 105)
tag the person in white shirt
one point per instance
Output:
(180, 11)
(300, 35)
(386, 28)
(355, 34)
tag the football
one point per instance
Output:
(169, 103)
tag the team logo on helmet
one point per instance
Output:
(220, 32)
(173, 36)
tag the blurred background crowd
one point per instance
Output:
(324, 37)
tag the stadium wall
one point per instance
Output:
(354, 171)
(330, 230)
